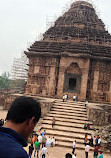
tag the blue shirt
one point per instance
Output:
(43, 133)
(100, 156)
(11, 144)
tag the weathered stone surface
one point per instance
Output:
(98, 114)
(77, 48)
(45, 103)
(101, 117)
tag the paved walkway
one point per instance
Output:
(58, 152)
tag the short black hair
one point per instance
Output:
(68, 155)
(23, 108)
(101, 152)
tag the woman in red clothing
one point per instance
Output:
(88, 126)
(96, 152)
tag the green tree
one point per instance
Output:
(17, 84)
(4, 81)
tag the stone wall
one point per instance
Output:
(46, 104)
(106, 136)
(6, 99)
(98, 114)
(99, 81)
(42, 76)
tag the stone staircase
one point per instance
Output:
(70, 118)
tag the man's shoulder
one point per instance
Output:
(10, 148)
(14, 150)
(100, 156)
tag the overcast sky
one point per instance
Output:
(21, 21)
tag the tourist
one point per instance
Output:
(99, 142)
(44, 152)
(91, 141)
(85, 139)
(32, 139)
(35, 137)
(95, 152)
(74, 98)
(44, 139)
(73, 146)
(73, 155)
(77, 98)
(86, 103)
(31, 148)
(53, 142)
(37, 147)
(85, 125)
(67, 96)
(22, 117)
(97, 138)
(53, 122)
(94, 140)
(44, 132)
(101, 155)
(1, 122)
(63, 98)
(87, 147)
(48, 142)
(68, 155)
(40, 139)
(7, 90)
(88, 126)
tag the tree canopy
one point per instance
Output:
(7, 83)
(4, 81)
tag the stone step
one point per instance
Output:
(69, 145)
(69, 102)
(68, 117)
(67, 139)
(68, 124)
(71, 105)
(67, 113)
(81, 105)
(68, 108)
(67, 129)
(68, 120)
(69, 135)
(78, 146)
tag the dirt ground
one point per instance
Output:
(57, 152)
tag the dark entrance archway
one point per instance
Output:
(72, 83)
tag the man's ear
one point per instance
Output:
(32, 122)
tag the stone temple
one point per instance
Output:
(74, 57)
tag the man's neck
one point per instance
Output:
(17, 127)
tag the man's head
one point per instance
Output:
(101, 152)
(24, 111)
(68, 155)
